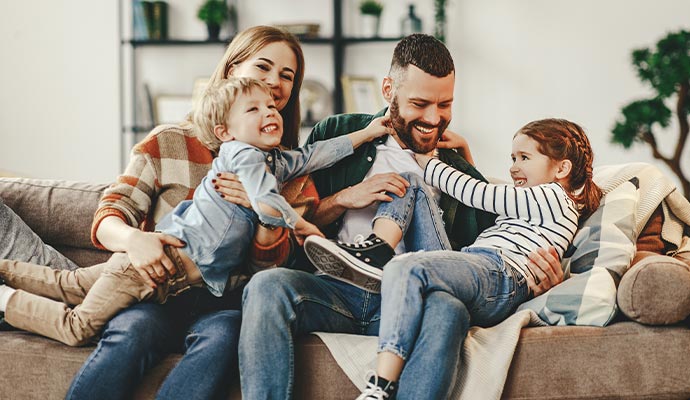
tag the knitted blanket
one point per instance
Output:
(486, 356)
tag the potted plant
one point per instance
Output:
(371, 17)
(666, 69)
(213, 13)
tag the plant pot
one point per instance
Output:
(213, 31)
(370, 25)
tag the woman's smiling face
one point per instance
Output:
(276, 65)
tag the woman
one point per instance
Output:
(164, 170)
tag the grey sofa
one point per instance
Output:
(625, 360)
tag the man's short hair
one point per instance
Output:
(424, 52)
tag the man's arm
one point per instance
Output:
(359, 196)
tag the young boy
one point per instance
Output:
(240, 113)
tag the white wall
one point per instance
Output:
(516, 61)
(523, 60)
(59, 108)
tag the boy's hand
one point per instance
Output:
(422, 159)
(378, 127)
(304, 229)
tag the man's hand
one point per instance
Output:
(371, 190)
(145, 252)
(228, 185)
(546, 266)
(304, 229)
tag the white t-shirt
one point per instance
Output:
(390, 157)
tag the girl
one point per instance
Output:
(553, 187)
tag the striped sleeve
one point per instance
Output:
(542, 205)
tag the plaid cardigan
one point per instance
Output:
(164, 169)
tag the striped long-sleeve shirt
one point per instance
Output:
(528, 218)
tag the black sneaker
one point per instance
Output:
(378, 389)
(360, 264)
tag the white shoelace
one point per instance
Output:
(372, 391)
(358, 242)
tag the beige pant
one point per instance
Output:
(43, 298)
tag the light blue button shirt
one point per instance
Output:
(218, 233)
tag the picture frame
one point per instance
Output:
(362, 94)
(171, 109)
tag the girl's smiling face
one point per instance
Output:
(530, 166)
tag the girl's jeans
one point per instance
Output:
(417, 215)
(477, 277)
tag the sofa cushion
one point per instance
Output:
(601, 252)
(656, 291)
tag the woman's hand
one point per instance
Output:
(546, 266)
(145, 252)
(230, 188)
(371, 190)
(452, 140)
(304, 229)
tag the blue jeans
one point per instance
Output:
(417, 215)
(20, 243)
(477, 278)
(281, 304)
(141, 336)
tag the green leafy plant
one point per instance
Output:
(213, 12)
(667, 70)
(440, 20)
(371, 7)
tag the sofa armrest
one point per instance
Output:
(60, 212)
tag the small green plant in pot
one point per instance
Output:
(371, 16)
(213, 13)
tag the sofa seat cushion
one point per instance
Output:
(624, 360)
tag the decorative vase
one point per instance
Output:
(213, 31)
(370, 25)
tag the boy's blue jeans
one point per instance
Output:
(417, 215)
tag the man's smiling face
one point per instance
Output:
(420, 109)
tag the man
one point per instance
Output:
(280, 304)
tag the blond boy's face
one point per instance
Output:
(255, 120)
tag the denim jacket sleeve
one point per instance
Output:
(312, 157)
(249, 164)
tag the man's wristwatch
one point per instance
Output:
(267, 226)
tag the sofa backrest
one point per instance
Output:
(60, 212)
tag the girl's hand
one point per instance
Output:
(422, 160)
(230, 188)
(546, 266)
(304, 229)
(452, 140)
(145, 252)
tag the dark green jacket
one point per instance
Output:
(462, 223)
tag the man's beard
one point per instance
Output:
(404, 130)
